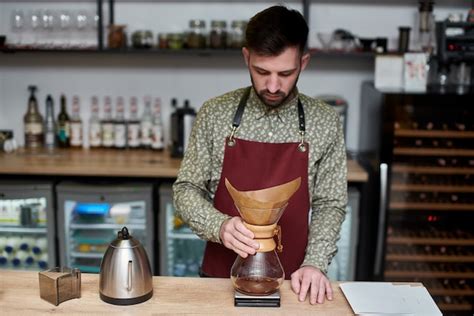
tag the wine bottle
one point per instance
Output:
(34, 133)
(146, 124)
(50, 124)
(157, 139)
(133, 125)
(63, 130)
(95, 135)
(120, 128)
(13, 243)
(42, 261)
(107, 124)
(76, 123)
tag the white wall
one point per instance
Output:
(195, 78)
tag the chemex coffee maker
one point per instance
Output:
(257, 278)
(182, 121)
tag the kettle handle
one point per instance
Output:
(129, 285)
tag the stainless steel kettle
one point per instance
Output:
(125, 272)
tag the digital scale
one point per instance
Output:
(243, 300)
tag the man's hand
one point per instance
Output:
(235, 236)
(311, 279)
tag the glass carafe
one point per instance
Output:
(262, 273)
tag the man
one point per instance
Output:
(263, 136)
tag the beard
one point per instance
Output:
(277, 99)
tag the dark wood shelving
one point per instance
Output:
(404, 187)
(431, 170)
(432, 152)
(430, 241)
(433, 133)
(431, 206)
(450, 292)
(427, 274)
(429, 258)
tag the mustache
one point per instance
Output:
(265, 92)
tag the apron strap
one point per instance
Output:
(240, 112)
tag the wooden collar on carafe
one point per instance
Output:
(264, 235)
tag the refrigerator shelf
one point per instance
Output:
(182, 236)
(108, 226)
(23, 230)
(75, 254)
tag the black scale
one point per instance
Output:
(243, 300)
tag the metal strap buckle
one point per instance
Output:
(302, 146)
(231, 141)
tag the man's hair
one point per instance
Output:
(272, 30)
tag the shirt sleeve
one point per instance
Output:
(191, 193)
(329, 200)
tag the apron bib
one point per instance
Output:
(251, 165)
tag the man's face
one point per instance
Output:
(275, 77)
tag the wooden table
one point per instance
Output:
(19, 295)
(109, 163)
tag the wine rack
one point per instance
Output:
(430, 209)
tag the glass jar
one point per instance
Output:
(197, 34)
(117, 37)
(218, 35)
(163, 41)
(175, 41)
(142, 39)
(237, 34)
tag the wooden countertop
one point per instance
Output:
(109, 163)
(19, 294)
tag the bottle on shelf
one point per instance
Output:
(26, 243)
(5, 258)
(50, 124)
(42, 261)
(22, 259)
(3, 243)
(107, 124)
(133, 125)
(95, 135)
(63, 130)
(157, 138)
(146, 124)
(40, 246)
(120, 127)
(13, 243)
(76, 123)
(34, 133)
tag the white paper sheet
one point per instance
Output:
(384, 298)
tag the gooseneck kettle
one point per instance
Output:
(125, 272)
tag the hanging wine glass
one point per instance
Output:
(35, 22)
(81, 25)
(18, 25)
(47, 23)
(65, 26)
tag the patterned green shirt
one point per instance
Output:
(201, 167)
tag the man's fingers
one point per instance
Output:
(237, 245)
(240, 227)
(329, 290)
(252, 244)
(295, 282)
(314, 291)
(322, 290)
(305, 283)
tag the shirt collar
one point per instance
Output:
(259, 109)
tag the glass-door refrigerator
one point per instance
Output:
(181, 251)
(425, 153)
(27, 226)
(90, 215)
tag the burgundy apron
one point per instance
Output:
(251, 165)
